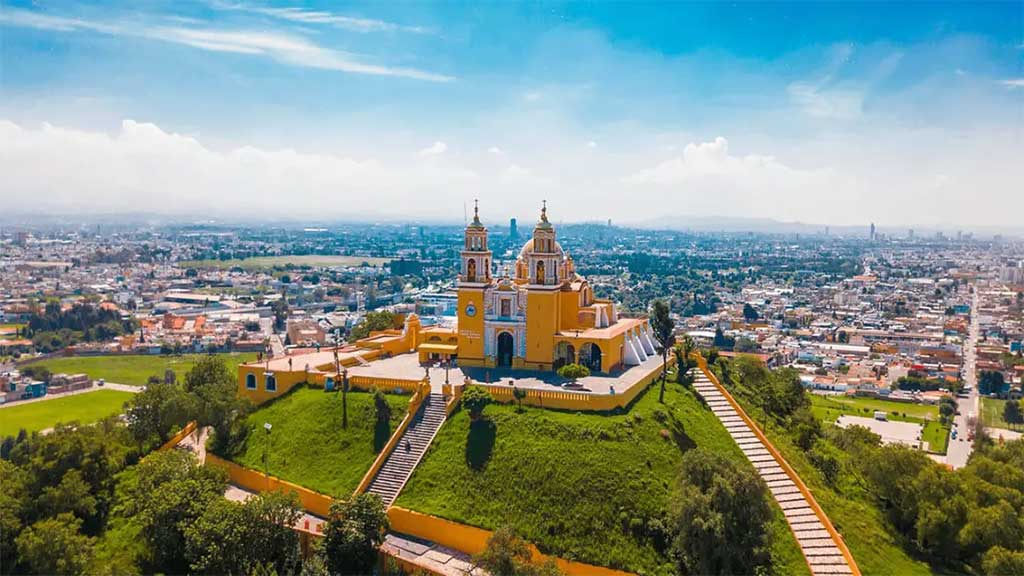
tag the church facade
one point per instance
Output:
(542, 314)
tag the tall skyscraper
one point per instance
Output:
(513, 230)
(872, 236)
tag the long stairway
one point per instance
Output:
(821, 551)
(403, 459)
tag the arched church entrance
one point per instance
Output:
(506, 345)
(590, 356)
(565, 353)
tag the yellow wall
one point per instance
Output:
(570, 310)
(473, 540)
(542, 315)
(285, 382)
(471, 328)
(254, 481)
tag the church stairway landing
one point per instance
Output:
(399, 465)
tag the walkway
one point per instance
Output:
(822, 553)
(398, 466)
(430, 556)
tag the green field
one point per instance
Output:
(580, 486)
(829, 408)
(85, 408)
(135, 370)
(992, 415)
(307, 444)
(265, 262)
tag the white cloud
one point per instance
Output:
(286, 49)
(303, 16)
(435, 149)
(823, 103)
(495, 150)
(1013, 82)
(591, 144)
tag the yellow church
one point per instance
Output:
(542, 314)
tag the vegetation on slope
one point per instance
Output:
(589, 487)
(307, 444)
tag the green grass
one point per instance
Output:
(84, 408)
(992, 414)
(135, 370)
(573, 483)
(860, 406)
(264, 262)
(937, 437)
(308, 445)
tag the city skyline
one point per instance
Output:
(907, 115)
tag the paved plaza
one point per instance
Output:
(891, 432)
(407, 366)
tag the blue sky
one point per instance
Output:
(819, 112)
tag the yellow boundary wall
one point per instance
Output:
(472, 540)
(249, 479)
(414, 406)
(177, 438)
(561, 400)
(836, 537)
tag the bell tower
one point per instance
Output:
(476, 257)
(474, 281)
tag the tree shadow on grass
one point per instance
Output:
(679, 435)
(381, 435)
(480, 443)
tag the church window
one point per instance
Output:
(471, 270)
(506, 307)
(540, 272)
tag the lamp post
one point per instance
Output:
(344, 398)
(266, 449)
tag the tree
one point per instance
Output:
(508, 554)
(355, 531)
(519, 394)
(720, 517)
(239, 538)
(218, 405)
(72, 494)
(947, 409)
(55, 546)
(999, 561)
(372, 322)
(14, 499)
(162, 495)
(1012, 412)
(573, 372)
(991, 382)
(280, 309)
(664, 332)
(475, 399)
(750, 313)
(381, 407)
(156, 412)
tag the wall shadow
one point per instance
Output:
(381, 435)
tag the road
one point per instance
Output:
(94, 388)
(960, 449)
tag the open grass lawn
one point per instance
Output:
(831, 407)
(135, 370)
(84, 408)
(992, 414)
(309, 447)
(937, 436)
(580, 486)
(265, 262)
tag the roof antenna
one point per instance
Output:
(465, 218)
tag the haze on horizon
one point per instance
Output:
(833, 114)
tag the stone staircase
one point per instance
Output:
(414, 442)
(821, 551)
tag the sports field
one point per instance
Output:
(135, 370)
(265, 262)
(84, 408)
(992, 414)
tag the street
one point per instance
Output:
(960, 449)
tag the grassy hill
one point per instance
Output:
(85, 408)
(307, 444)
(587, 487)
(135, 369)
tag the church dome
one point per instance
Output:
(527, 249)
